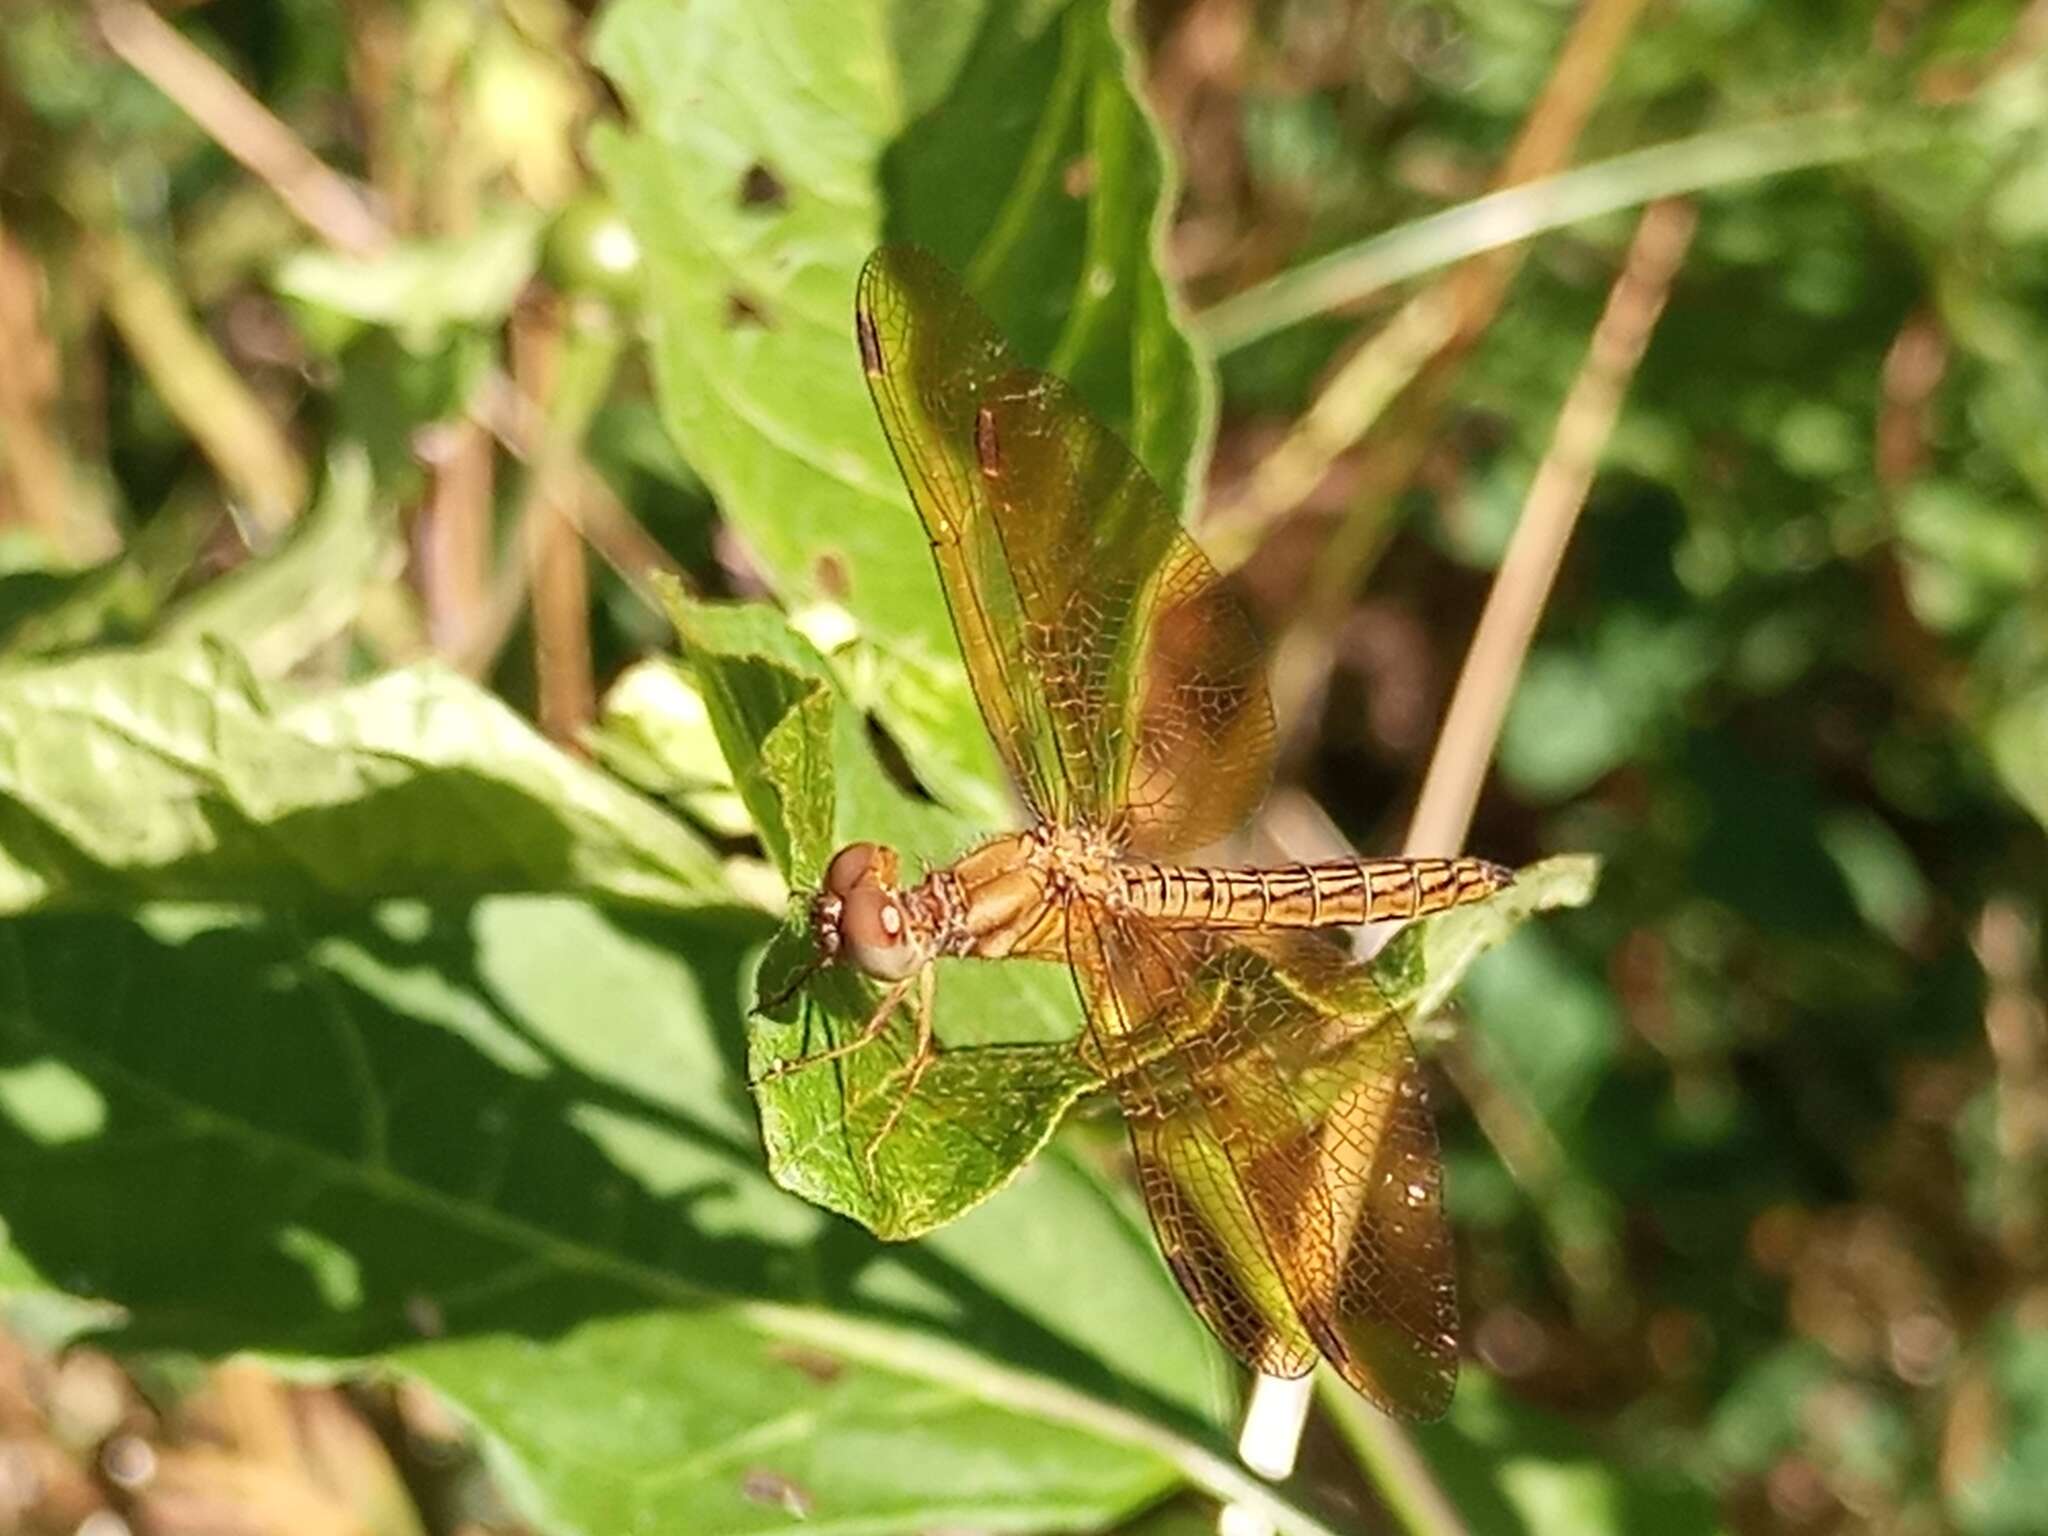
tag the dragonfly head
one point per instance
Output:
(860, 915)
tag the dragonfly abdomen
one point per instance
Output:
(1339, 893)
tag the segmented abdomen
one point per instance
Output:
(1329, 895)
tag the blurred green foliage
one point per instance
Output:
(345, 1017)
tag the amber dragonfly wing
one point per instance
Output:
(1284, 1146)
(1122, 683)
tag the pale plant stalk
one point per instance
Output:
(246, 445)
(570, 366)
(1270, 1437)
(1357, 395)
(36, 482)
(1450, 786)
(324, 200)
(453, 537)
(560, 582)
(1278, 1408)
(1470, 295)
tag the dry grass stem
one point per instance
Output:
(557, 575)
(200, 387)
(327, 202)
(453, 534)
(1278, 1408)
(36, 483)
(1464, 747)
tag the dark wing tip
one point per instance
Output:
(870, 341)
(1417, 1389)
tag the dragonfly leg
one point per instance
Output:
(869, 1032)
(922, 1054)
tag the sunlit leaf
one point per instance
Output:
(802, 762)
(420, 289)
(278, 609)
(654, 731)
(126, 779)
(769, 149)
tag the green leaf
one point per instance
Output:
(276, 611)
(45, 612)
(769, 150)
(419, 289)
(801, 761)
(504, 1149)
(1554, 1026)
(2016, 733)
(1423, 964)
(1546, 1020)
(171, 775)
(654, 732)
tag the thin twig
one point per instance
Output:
(240, 438)
(34, 470)
(1278, 1408)
(1450, 786)
(452, 538)
(1342, 413)
(1400, 1474)
(621, 540)
(566, 691)
(1471, 294)
(560, 581)
(617, 535)
(1512, 214)
(327, 202)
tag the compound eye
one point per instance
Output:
(876, 934)
(859, 864)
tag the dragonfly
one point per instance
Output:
(1277, 1114)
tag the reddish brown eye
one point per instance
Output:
(872, 918)
(847, 868)
(876, 935)
(857, 865)
(862, 915)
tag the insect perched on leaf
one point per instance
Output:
(1276, 1110)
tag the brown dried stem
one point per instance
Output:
(1470, 296)
(327, 202)
(452, 542)
(1461, 304)
(1450, 787)
(36, 484)
(1432, 332)
(556, 573)
(1465, 744)
(199, 386)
